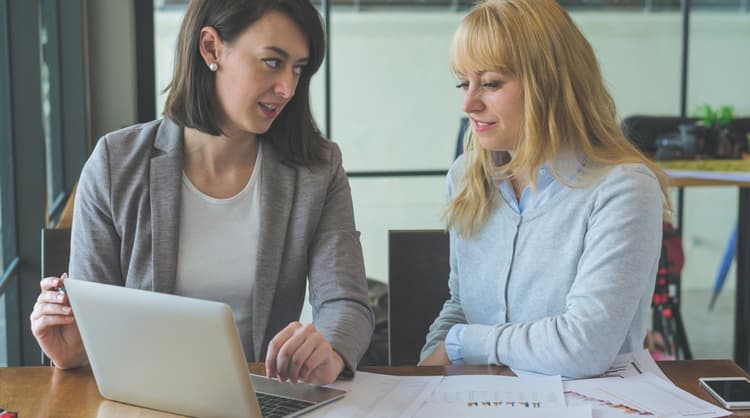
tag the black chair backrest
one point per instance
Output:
(460, 137)
(418, 269)
(55, 257)
(55, 251)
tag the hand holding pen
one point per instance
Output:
(53, 325)
(52, 306)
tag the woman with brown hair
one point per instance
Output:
(555, 217)
(233, 196)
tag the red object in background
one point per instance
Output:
(663, 339)
(7, 414)
(672, 243)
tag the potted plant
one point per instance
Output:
(715, 138)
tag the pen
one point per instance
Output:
(61, 289)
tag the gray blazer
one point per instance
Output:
(126, 232)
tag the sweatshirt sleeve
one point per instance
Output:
(452, 312)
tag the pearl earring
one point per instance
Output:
(213, 67)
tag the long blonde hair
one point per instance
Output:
(566, 105)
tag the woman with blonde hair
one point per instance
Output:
(555, 217)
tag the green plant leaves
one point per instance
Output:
(722, 116)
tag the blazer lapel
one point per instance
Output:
(277, 191)
(165, 189)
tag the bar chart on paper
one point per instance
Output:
(477, 396)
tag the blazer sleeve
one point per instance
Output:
(338, 287)
(452, 312)
(95, 243)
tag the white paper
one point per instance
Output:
(641, 395)
(542, 391)
(629, 364)
(371, 395)
(473, 395)
(440, 411)
(634, 364)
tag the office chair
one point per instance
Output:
(418, 269)
(463, 125)
(56, 241)
(55, 251)
(55, 256)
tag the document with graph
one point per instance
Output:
(644, 395)
(480, 396)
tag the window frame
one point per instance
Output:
(24, 209)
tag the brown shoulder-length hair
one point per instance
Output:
(192, 101)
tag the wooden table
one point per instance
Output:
(36, 392)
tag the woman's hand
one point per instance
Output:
(437, 358)
(300, 353)
(54, 327)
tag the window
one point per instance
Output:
(167, 20)
(4, 175)
(35, 117)
(51, 106)
(717, 75)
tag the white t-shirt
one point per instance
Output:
(218, 249)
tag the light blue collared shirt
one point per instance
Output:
(546, 187)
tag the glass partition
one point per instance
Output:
(4, 145)
(718, 64)
(394, 107)
(51, 87)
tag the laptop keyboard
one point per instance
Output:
(272, 406)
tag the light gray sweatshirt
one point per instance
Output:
(562, 288)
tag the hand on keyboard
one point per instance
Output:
(300, 353)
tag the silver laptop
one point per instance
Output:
(177, 354)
